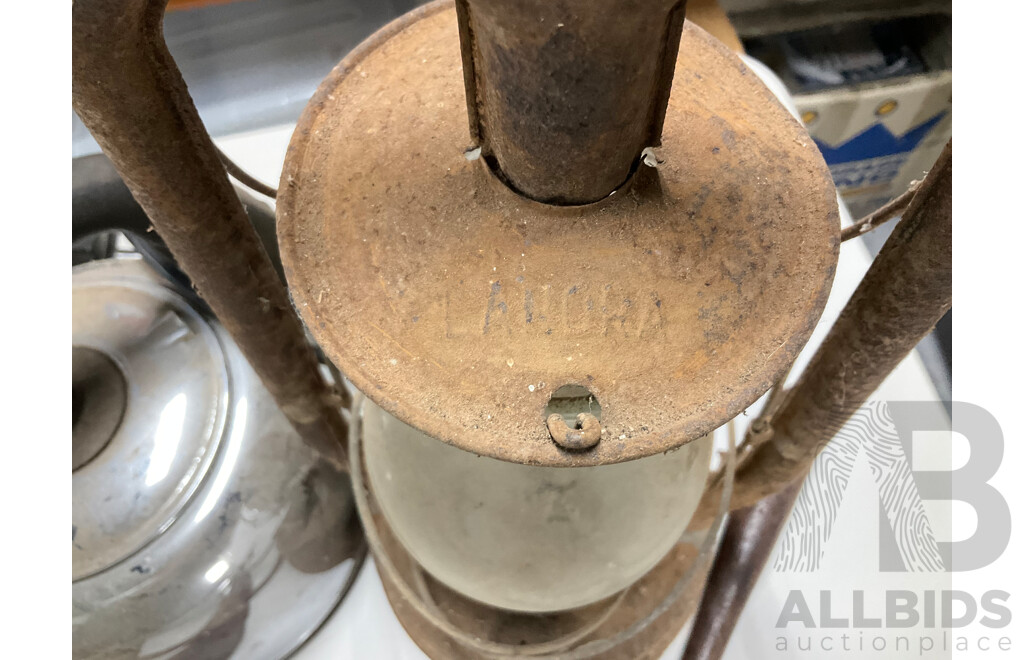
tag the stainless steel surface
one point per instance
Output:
(98, 399)
(205, 528)
(178, 409)
(760, 17)
(256, 63)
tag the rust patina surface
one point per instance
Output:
(908, 288)
(563, 97)
(904, 294)
(459, 306)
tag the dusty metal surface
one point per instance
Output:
(203, 470)
(459, 306)
(908, 288)
(128, 92)
(563, 96)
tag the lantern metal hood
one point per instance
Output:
(666, 241)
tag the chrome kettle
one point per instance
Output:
(202, 526)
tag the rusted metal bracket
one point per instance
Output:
(585, 434)
(129, 93)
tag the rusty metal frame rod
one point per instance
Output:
(905, 292)
(563, 95)
(908, 288)
(903, 295)
(129, 93)
(746, 545)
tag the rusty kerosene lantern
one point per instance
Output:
(556, 245)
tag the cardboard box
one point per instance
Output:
(877, 97)
(878, 137)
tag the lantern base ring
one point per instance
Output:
(567, 645)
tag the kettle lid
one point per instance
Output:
(150, 392)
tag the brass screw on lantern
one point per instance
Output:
(459, 293)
